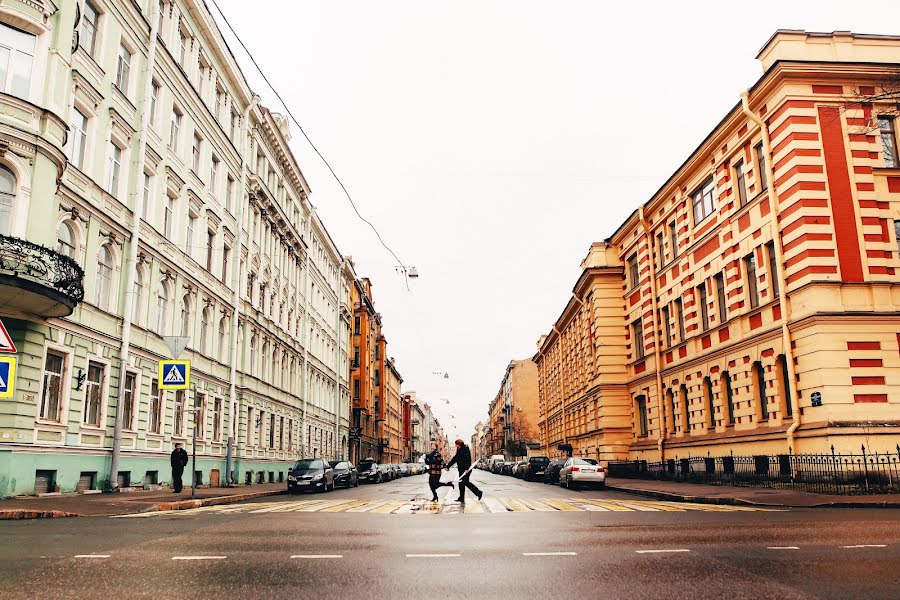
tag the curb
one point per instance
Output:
(18, 514)
(740, 502)
(214, 501)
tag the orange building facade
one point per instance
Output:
(752, 305)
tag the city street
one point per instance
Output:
(384, 541)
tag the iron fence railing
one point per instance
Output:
(42, 265)
(863, 473)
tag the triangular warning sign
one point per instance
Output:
(174, 376)
(6, 343)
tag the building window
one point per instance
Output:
(7, 199)
(217, 419)
(210, 248)
(888, 140)
(773, 270)
(114, 168)
(128, 408)
(710, 403)
(154, 100)
(229, 194)
(168, 216)
(123, 69)
(213, 174)
(729, 397)
(16, 56)
(673, 239)
(220, 103)
(52, 387)
(65, 240)
(666, 319)
(685, 412)
(761, 176)
(226, 257)
(162, 305)
(79, 127)
(752, 287)
(154, 419)
(271, 431)
(785, 384)
(670, 403)
(186, 316)
(204, 330)
(741, 182)
(719, 278)
(679, 318)
(761, 390)
(146, 195)
(356, 325)
(137, 294)
(660, 250)
(90, 21)
(703, 200)
(356, 389)
(104, 278)
(183, 48)
(633, 276)
(642, 415)
(195, 153)
(637, 334)
(189, 235)
(93, 394)
(703, 306)
(178, 428)
(175, 128)
(200, 416)
(223, 339)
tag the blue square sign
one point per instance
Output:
(174, 374)
(7, 376)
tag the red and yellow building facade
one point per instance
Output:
(752, 305)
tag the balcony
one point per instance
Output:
(37, 281)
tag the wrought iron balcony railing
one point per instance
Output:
(54, 282)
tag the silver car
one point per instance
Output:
(582, 471)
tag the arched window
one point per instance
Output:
(162, 307)
(784, 387)
(725, 383)
(186, 316)
(65, 240)
(641, 402)
(7, 199)
(670, 410)
(710, 403)
(104, 277)
(204, 330)
(759, 378)
(137, 296)
(685, 412)
(223, 339)
(252, 356)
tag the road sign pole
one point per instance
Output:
(194, 452)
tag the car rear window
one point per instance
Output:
(581, 461)
(539, 460)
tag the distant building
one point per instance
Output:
(513, 413)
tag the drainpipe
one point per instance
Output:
(338, 446)
(236, 289)
(131, 265)
(654, 293)
(304, 442)
(779, 259)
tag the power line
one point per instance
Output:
(300, 127)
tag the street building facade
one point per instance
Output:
(750, 306)
(148, 194)
(514, 412)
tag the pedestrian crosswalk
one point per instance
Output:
(489, 505)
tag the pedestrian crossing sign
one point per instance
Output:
(7, 376)
(174, 374)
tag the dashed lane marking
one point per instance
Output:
(91, 556)
(866, 546)
(662, 551)
(199, 557)
(490, 505)
(782, 547)
(432, 555)
(549, 554)
(315, 556)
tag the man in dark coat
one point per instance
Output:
(178, 460)
(463, 460)
(435, 463)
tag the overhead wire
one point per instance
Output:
(303, 132)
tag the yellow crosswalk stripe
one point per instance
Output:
(493, 505)
(607, 505)
(636, 505)
(367, 507)
(514, 505)
(344, 506)
(473, 508)
(536, 505)
(319, 506)
(389, 507)
(559, 504)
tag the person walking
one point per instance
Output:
(435, 463)
(463, 460)
(178, 460)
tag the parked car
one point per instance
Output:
(582, 471)
(369, 471)
(507, 468)
(551, 471)
(535, 468)
(519, 469)
(387, 472)
(496, 463)
(310, 474)
(345, 473)
(404, 470)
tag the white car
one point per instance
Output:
(582, 471)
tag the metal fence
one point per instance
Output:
(864, 473)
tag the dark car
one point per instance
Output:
(368, 471)
(507, 468)
(551, 472)
(345, 474)
(310, 474)
(535, 468)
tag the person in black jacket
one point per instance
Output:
(178, 460)
(463, 460)
(435, 463)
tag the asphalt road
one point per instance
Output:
(292, 547)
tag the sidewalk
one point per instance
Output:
(80, 505)
(728, 494)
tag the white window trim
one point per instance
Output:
(65, 382)
(132, 427)
(104, 394)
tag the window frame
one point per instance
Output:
(762, 177)
(721, 297)
(122, 80)
(100, 391)
(134, 392)
(752, 279)
(95, 28)
(62, 400)
(637, 333)
(703, 192)
(740, 182)
(703, 305)
(888, 135)
(14, 54)
(634, 270)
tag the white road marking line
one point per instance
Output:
(432, 555)
(866, 546)
(782, 547)
(317, 556)
(549, 554)
(91, 556)
(199, 557)
(662, 551)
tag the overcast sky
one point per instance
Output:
(492, 141)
